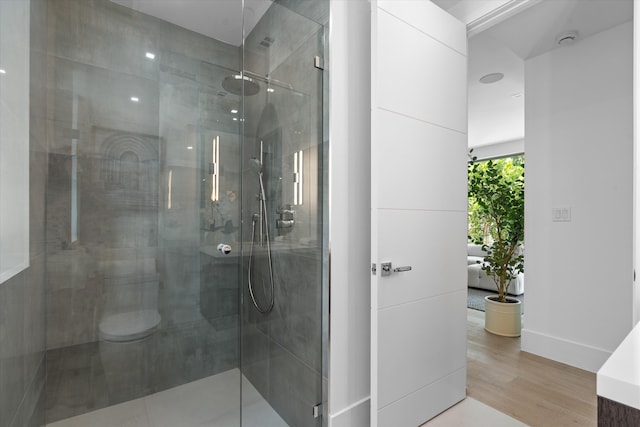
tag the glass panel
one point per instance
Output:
(282, 213)
(139, 302)
(148, 183)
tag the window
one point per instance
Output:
(14, 138)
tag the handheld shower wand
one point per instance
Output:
(261, 218)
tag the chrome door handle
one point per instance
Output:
(387, 269)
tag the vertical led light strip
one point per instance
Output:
(295, 178)
(74, 166)
(169, 189)
(215, 169)
(298, 164)
(300, 168)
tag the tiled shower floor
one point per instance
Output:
(212, 401)
(87, 377)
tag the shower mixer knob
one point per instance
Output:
(225, 249)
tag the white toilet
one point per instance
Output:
(130, 310)
(128, 343)
(129, 326)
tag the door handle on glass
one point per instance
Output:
(387, 269)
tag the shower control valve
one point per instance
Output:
(286, 213)
(287, 217)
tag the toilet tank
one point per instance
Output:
(129, 285)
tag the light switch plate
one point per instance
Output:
(561, 214)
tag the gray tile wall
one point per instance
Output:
(317, 11)
(97, 55)
(22, 311)
(282, 350)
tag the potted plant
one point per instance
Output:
(496, 188)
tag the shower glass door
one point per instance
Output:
(183, 211)
(282, 195)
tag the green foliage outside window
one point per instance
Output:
(482, 229)
(496, 217)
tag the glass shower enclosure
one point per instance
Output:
(184, 211)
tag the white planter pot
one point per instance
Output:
(503, 318)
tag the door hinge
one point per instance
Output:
(374, 269)
(317, 410)
(318, 62)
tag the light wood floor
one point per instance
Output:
(529, 388)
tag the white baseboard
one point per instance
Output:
(355, 415)
(568, 352)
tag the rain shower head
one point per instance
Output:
(233, 84)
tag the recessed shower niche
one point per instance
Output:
(124, 188)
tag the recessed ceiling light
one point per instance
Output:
(150, 55)
(491, 78)
(270, 90)
(135, 99)
(189, 148)
(234, 111)
(566, 38)
(235, 119)
(3, 71)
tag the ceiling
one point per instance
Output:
(496, 111)
(219, 19)
(469, 11)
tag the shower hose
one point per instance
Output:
(255, 219)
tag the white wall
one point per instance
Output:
(14, 138)
(349, 199)
(579, 142)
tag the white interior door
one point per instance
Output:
(636, 162)
(418, 212)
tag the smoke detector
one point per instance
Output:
(566, 38)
